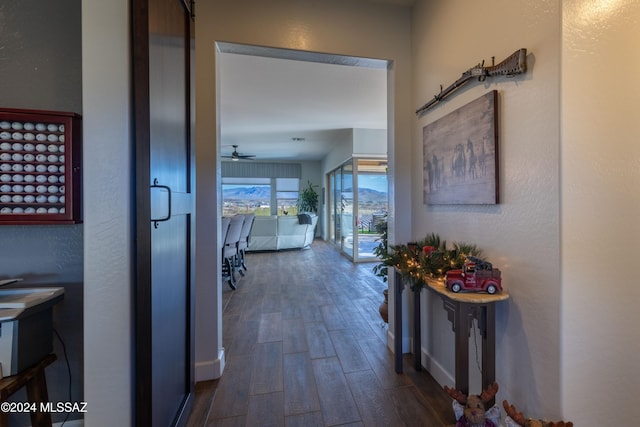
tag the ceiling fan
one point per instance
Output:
(235, 156)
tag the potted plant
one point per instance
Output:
(382, 270)
(382, 252)
(308, 199)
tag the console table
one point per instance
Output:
(461, 309)
(35, 381)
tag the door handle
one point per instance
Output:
(167, 217)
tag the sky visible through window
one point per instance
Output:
(373, 182)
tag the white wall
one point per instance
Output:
(600, 211)
(341, 152)
(108, 230)
(521, 234)
(370, 142)
(345, 27)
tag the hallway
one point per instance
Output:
(305, 346)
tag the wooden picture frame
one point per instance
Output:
(460, 155)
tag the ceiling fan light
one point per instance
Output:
(235, 156)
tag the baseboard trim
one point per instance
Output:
(406, 342)
(436, 370)
(390, 340)
(210, 369)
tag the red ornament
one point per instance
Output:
(428, 250)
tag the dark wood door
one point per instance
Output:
(162, 57)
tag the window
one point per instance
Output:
(260, 187)
(287, 190)
(246, 195)
(261, 196)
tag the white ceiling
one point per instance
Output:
(267, 101)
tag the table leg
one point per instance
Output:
(461, 325)
(489, 348)
(36, 393)
(397, 320)
(417, 334)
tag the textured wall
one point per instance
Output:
(565, 233)
(521, 234)
(600, 211)
(40, 55)
(40, 65)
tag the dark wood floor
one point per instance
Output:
(305, 346)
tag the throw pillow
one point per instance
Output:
(304, 219)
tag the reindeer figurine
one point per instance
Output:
(474, 413)
(519, 419)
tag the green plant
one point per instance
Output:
(381, 251)
(421, 260)
(308, 199)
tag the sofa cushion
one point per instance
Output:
(264, 234)
(281, 232)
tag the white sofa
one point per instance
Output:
(273, 233)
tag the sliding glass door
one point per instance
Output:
(372, 205)
(331, 208)
(347, 204)
(335, 207)
(357, 206)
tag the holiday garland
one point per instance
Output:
(421, 260)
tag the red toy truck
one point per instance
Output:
(477, 275)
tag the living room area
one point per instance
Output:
(315, 126)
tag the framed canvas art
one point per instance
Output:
(460, 155)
